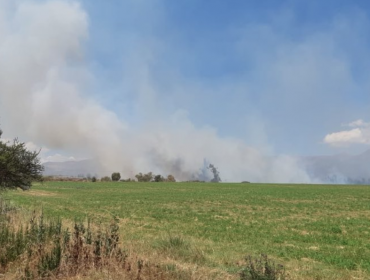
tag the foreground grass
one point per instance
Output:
(318, 232)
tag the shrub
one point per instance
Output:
(262, 268)
(127, 180)
(105, 179)
(48, 250)
(144, 177)
(158, 178)
(42, 249)
(171, 178)
(180, 248)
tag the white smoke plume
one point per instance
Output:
(44, 98)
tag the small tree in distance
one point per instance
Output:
(144, 177)
(159, 178)
(116, 176)
(171, 178)
(105, 179)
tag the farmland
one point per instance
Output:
(316, 231)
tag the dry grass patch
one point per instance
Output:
(36, 248)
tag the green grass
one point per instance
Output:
(319, 232)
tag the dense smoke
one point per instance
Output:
(44, 98)
(216, 175)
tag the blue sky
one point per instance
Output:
(182, 81)
(220, 53)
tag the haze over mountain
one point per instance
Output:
(340, 168)
(79, 168)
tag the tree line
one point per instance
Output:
(140, 177)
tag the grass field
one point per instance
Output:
(316, 231)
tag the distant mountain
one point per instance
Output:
(341, 168)
(72, 168)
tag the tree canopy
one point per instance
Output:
(171, 178)
(18, 166)
(144, 177)
(116, 176)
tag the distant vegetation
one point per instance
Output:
(116, 176)
(143, 177)
(106, 179)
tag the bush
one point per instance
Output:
(158, 178)
(48, 250)
(44, 249)
(171, 178)
(116, 176)
(144, 177)
(105, 179)
(93, 179)
(262, 268)
(127, 180)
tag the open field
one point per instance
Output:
(316, 231)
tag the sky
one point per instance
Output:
(168, 85)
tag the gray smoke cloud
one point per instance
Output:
(216, 174)
(44, 98)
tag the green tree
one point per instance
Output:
(18, 166)
(139, 177)
(158, 178)
(116, 176)
(144, 177)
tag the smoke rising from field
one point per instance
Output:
(44, 98)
